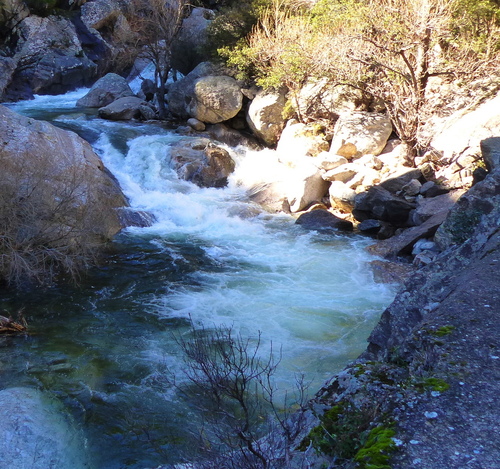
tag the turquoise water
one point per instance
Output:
(212, 259)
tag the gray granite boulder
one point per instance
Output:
(104, 91)
(265, 116)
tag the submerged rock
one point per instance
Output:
(36, 432)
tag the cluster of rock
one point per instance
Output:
(57, 53)
(356, 173)
(429, 372)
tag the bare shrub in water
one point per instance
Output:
(245, 426)
(49, 219)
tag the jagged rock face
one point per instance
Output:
(37, 432)
(360, 133)
(60, 165)
(456, 148)
(11, 12)
(106, 90)
(49, 58)
(265, 116)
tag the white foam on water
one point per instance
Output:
(312, 295)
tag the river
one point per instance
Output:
(211, 258)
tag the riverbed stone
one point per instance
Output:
(299, 140)
(126, 108)
(36, 432)
(323, 220)
(380, 204)
(342, 197)
(214, 99)
(70, 166)
(104, 91)
(402, 244)
(265, 116)
(360, 133)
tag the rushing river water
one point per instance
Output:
(211, 258)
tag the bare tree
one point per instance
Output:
(234, 389)
(387, 50)
(156, 24)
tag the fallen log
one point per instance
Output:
(9, 326)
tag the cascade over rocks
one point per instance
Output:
(202, 162)
(104, 91)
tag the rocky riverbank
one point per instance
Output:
(429, 374)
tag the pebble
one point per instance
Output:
(414, 442)
(430, 415)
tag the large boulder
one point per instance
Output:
(380, 204)
(490, 149)
(323, 220)
(360, 133)
(456, 147)
(126, 108)
(59, 169)
(49, 58)
(36, 432)
(215, 99)
(469, 210)
(206, 93)
(187, 49)
(104, 91)
(7, 68)
(265, 116)
(320, 99)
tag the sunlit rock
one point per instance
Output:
(360, 133)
